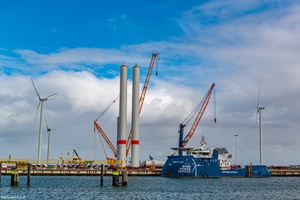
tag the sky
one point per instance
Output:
(76, 48)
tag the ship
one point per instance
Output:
(214, 162)
(205, 162)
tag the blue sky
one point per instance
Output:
(48, 26)
(75, 48)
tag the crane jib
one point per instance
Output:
(205, 100)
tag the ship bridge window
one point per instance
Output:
(205, 153)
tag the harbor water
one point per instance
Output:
(145, 187)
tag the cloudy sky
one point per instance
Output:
(76, 48)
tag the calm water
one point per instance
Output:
(49, 187)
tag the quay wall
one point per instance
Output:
(108, 172)
(81, 172)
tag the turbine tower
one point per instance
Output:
(48, 131)
(41, 103)
(259, 109)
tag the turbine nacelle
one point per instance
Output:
(260, 108)
(48, 129)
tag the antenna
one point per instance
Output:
(41, 103)
(259, 109)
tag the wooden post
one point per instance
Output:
(28, 174)
(249, 170)
(101, 178)
(14, 180)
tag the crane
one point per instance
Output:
(77, 158)
(100, 130)
(202, 105)
(142, 97)
(141, 101)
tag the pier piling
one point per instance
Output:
(28, 174)
(124, 178)
(115, 178)
(101, 178)
(0, 170)
(14, 180)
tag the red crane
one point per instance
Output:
(141, 101)
(203, 104)
(142, 97)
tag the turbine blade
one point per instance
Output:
(258, 101)
(51, 95)
(257, 115)
(37, 110)
(46, 123)
(35, 89)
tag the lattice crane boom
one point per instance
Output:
(100, 130)
(197, 119)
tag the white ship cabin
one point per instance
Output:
(201, 153)
(197, 153)
(224, 160)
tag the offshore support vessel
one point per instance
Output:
(201, 162)
(213, 162)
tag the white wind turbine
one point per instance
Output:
(259, 109)
(41, 103)
(48, 131)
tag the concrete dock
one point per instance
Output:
(82, 172)
(285, 172)
(108, 172)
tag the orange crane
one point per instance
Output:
(141, 101)
(100, 130)
(202, 105)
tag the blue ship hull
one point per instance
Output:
(189, 166)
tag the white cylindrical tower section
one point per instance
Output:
(121, 138)
(135, 123)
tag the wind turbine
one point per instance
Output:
(41, 103)
(48, 131)
(259, 109)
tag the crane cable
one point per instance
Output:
(111, 104)
(102, 145)
(215, 109)
(193, 113)
(156, 64)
